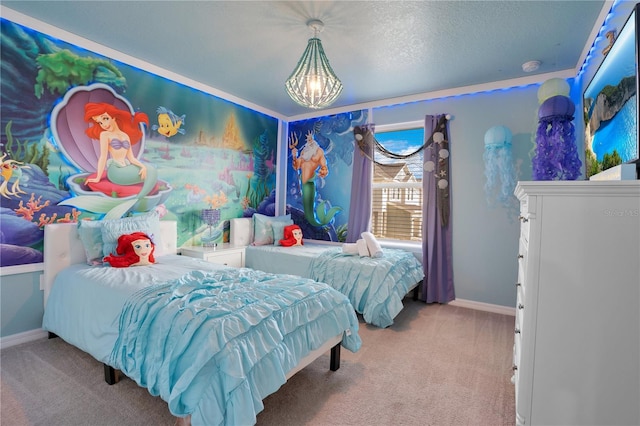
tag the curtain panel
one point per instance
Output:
(437, 286)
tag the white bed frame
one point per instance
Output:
(63, 248)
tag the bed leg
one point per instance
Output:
(416, 290)
(110, 375)
(334, 364)
(52, 335)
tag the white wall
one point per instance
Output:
(485, 237)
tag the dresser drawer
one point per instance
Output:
(229, 259)
(520, 306)
(223, 254)
(522, 264)
(524, 229)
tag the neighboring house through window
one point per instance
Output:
(397, 183)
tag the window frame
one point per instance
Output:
(387, 128)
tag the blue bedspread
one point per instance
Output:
(375, 286)
(213, 344)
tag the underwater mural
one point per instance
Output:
(319, 173)
(85, 137)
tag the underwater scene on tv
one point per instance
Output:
(610, 107)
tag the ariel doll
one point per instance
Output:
(118, 130)
(135, 249)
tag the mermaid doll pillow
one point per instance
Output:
(134, 249)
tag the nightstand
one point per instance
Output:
(223, 254)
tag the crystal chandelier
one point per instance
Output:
(313, 83)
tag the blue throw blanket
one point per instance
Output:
(375, 286)
(214, 344)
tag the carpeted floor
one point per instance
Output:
(437, 365)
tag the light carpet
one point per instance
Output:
(436, 365)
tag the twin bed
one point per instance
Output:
(210, 340)
(374, 285)
(213, 341)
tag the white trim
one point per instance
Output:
(21, 269)
(408, 125)
(487, 307)
(19, 338)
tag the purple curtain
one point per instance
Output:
(361, 192)
(436, 208)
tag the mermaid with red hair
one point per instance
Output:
(118, 130)
(135, 249)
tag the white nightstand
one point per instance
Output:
(224, 254)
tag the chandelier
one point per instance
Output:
(313, 83)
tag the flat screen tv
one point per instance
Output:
(610, 103)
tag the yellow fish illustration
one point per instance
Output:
(168, 123)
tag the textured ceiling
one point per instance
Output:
(379, 49)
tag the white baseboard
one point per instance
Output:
(27, 336)
(480, 306)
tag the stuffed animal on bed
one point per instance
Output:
(135, 249)
(292, 236)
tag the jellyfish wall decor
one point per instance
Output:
(556, 155)
(498, 166)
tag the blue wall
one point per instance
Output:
(485, 236)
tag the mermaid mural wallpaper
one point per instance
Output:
(85, 137)
(319, 172)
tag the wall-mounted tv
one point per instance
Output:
(610, 103)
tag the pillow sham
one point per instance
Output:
(263, 228)
(278, 230)
(90, 233)
(149, 223)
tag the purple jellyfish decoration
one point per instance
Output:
(556, 154)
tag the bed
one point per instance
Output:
(212, 341)
(375, 286)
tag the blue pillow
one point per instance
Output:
(90, 233)
(149, 223)
(263, 228)
(278, 230)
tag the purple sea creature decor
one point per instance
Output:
(556, 154)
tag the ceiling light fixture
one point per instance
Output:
(313, 83)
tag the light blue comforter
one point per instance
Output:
(213, 344)
(375, 286)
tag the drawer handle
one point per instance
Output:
(523, 219)
(520, 306)
(521, 256)
(518, 285)
(514, 368)
(517, 331)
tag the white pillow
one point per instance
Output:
(241, 230)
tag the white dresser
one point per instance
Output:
(577, 326)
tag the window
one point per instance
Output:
(396, 211)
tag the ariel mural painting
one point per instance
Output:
(104, 143)
(85, 137)
(319, 174)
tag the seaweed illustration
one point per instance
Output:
(341, 232)
(26, 152)
(63, 69)
(261, 151)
